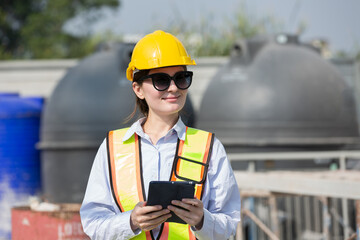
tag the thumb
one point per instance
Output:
(141, 204)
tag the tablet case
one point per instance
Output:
(163, 192)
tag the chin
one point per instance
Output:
(172, 109)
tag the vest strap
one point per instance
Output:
(127, 189)
(192, 158)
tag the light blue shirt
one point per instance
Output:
(101, 218)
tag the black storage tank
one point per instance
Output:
(275, 92)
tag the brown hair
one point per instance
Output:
(139, 103)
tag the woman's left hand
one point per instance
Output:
(195, 214)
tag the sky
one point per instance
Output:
(336, 21)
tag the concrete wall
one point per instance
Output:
(32, 78)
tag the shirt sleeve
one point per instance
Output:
(100, 216)
(221, 198)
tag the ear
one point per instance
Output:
(138, 90)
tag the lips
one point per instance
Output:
(171, 99)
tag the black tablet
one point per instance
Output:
(163, 192)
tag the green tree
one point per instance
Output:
(35, 28)
(207, 39)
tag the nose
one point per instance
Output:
(172, 86)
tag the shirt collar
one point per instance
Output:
(136, 127)
(180, 129)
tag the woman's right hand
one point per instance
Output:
(147, 218)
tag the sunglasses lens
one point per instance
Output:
(183, 80)
(161, 81)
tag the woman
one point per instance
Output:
(160, 147)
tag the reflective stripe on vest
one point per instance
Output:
(191, 163)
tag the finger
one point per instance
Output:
(192, 201)
(140, 204)
(148, 209)
(154, 215)
(162, 218)
(145, 221)
(182, 204)
(154, 222)
(190, 218)
(183, 214)
(180, 212)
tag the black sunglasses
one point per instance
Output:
(161, 81)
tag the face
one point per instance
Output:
(162, 103)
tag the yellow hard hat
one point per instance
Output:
(155, 50)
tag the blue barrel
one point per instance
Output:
(19, 132)
(19, 158)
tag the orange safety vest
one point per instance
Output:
(191, 163)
